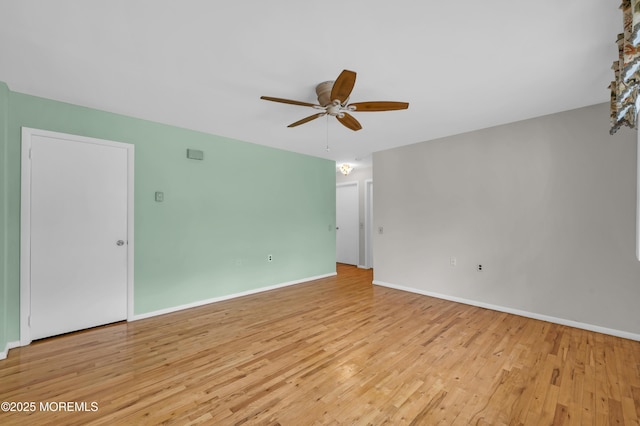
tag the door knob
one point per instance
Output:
(120, 242)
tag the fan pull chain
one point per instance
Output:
(327, 133)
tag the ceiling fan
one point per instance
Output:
(332, 100)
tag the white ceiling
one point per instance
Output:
(203, 65)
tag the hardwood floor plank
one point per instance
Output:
(331, 352)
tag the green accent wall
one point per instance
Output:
(220, 218)
(4, 99)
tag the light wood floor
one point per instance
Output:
(335, 351)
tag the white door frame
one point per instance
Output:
(25, 221)
(368, 223)
(357, 185)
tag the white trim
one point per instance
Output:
(25, 240)
(363, 267)
(10, 345)
(130, 229)
(354, 182)
(368, 223)
(227, 297)
(555, 320)
(638, 199)
(25, 221)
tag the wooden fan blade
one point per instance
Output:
(379, 106)
(343, 86)
(287, 101)
(306, 120)
(349, 121)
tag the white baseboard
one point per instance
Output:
(10, 345)
(226, 297)
(363, 267)
(555, 320)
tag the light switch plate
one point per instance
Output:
(159, 196)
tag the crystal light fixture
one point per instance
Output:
(346, 168)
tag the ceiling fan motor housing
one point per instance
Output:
(323, 90)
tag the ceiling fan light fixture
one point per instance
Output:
(333, 99)
(346, 168)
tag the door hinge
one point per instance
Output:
(29, 153)
(29, 320)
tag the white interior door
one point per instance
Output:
(78, 266)
(347, 223)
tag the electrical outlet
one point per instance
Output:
(270, 258)
(452, 261)
(479, 268)
(380, 230)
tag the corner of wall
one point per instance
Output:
(4, 113)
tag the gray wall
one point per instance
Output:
(547, 206)
(360, 175)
